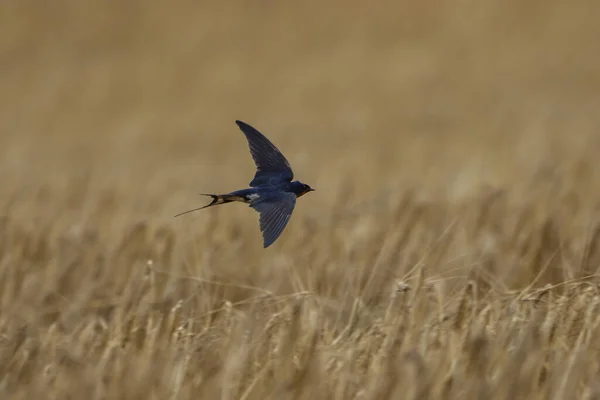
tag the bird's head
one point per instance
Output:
(301, 188)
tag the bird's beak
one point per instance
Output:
(306, 191)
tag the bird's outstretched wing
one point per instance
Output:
(275, 211)
(271, 166)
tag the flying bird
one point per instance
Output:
(272, 192)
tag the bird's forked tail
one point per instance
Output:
(217, 199)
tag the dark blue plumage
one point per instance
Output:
(271, 166)
(272, 193)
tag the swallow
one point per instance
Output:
(272, 192)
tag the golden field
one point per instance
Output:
(450, 251)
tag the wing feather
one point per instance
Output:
(275, 212)
(271, 166)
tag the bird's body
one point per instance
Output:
(272, 192)
(254, 194)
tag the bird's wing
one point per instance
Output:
(275, 211)
(271, 165)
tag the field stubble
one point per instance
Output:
(451, 249)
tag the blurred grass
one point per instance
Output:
(453, 147)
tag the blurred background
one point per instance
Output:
(130, 105)
(453, 146)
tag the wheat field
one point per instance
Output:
(450, 251)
